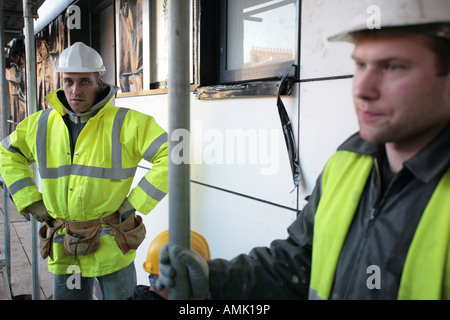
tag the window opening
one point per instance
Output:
(258, 38)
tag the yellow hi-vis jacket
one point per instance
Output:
(426, 272)
(92, 185)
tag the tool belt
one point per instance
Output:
(83, 237)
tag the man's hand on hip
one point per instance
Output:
(39, 211)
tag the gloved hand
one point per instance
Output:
(198, 270)
(39, 211)
(126, 210)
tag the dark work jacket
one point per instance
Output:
(376, 236)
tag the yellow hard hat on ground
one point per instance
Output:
(198, 244)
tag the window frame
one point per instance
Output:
(258, 73)
(159, 86)
(215, 82)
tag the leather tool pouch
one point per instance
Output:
(82, 237)
(129, 233)
(46, 234)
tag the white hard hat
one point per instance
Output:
(399, 13)
(80, 58)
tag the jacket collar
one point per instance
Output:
(430, 162)
(59, 102)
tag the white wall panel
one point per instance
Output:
(265, 172)
(218, 125)
(327, 120)
(234, 224)
(319, 57)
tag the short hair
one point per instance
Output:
(441, 48)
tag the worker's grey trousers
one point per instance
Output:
(115, 286)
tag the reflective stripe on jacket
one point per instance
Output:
(98, 179)
(426, 272)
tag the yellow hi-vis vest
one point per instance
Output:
(426, 273)
(92, 185)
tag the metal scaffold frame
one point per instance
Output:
(29, 14)
(6, 265)
(179, 118)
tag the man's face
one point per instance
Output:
(397, 94)
(81, 90)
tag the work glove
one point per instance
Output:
(39, 211)
(126, 210)
(197, 270)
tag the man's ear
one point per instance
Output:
(100, 84)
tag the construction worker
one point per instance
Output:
(377, 225)
(87, 152)
(151, 264)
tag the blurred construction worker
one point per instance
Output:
(377, 225)
(151, 264)
(87, 152)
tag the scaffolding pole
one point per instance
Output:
(29, 13)
(5, 133)
(179, 123)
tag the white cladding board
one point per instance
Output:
(248, 133)
(327, 120)
(319, 57)
(234, 224)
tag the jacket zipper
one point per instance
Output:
(380, 198)
(373, 213)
